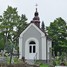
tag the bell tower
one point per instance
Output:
(36, 19)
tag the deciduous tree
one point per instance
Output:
(58, 32)
(12, 25)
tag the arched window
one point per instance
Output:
(32, 42)
(32, 47)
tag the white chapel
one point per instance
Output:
(34, 43)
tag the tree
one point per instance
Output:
(43, 26)
(20, 27)
(12, 24)
(58, 32)
(2, 41)
(9, 21)
(9, 49)
(0, 18)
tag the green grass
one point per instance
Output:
(43, 65)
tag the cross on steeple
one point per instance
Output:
(36, 7)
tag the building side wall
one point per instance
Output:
(49, 45)
(44, 48)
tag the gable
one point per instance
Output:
(32, 26)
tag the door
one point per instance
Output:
(32, 50)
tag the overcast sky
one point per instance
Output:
(48, 10)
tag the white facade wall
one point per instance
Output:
(28, 37)
(43, 48)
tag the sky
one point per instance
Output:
(48, 10)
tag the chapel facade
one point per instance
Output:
(34, 43)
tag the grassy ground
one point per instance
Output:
(43, 65)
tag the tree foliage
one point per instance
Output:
(11, 25)
(58, 32)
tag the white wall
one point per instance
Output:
(43, 48)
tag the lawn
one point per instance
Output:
(43, 65)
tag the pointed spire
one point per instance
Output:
(43, 26)
(36, 19)
(36, 7)
(36, 12)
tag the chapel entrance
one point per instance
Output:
(32, 50)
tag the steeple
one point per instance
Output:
(36, 13)
(36, 19)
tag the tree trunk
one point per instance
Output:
(10, 57)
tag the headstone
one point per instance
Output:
(12, 62)
(2, 53)
(3, 60)
(14, 51)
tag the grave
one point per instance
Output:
(2, 58)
